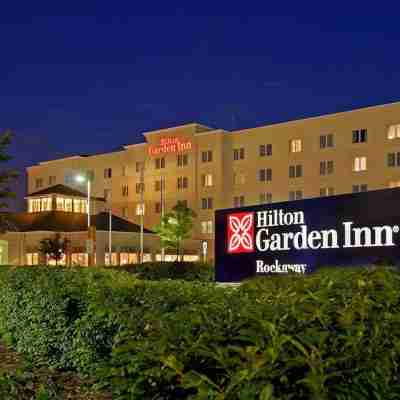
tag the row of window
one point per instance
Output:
(62, 204)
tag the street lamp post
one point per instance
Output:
(89, 246)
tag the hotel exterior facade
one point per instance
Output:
(211, 169)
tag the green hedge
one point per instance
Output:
(187, 271)
(331, 335)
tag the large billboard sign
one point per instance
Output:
(301, 236)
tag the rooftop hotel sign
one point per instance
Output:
(300, 236)
(170, 145)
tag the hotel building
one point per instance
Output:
(210, 168)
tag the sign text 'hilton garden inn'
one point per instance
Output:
(303, 235)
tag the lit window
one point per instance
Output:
(207, 180)
(80, 206)
(206, 227)
(140, 209)
(394, 184)
(296, 146)
(394, 132)
(32, 258)
(360, 164)
(79, 259)
(326, 167)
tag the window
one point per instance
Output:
(360, 188)
(125, 190)
(238, 201)
(265, 175)
(39, 183)
(40, 204)
(295, 195)
(183, 182)
(326, 141)
(238, 154)
(80, 206)
(360, 136)
(182, 160)
(158, 208)
(52, 180)
(394, 184)
(239, 178)
(158, 185)
(360, 164)
(265, 198)
(139, 188)
(207, 180)
(206, 227)
(140, 209)
(124, 170)
(107, 194)
(295, 171)
(69, 179)
(265, 150)
(328, 191)
(207, 203)
(160, 163)
(326, 167)
(124, 212)
(393, 159)
(32, 258)
(107, 173)
(139, 166)
(295, 146)
(206, 156)
(64, 204)
(68, 205)
(394, 132)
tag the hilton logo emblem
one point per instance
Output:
(240, 233)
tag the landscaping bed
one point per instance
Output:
(334, 334)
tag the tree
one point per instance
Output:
(54, 247)
(7, 177)
(175, 227)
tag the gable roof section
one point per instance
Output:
(59, 221)
(62, 190)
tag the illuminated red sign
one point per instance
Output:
(170, 145)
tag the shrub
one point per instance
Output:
(331, 335)
(188, 271)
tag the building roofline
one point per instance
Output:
(171, 128)
(294, 121)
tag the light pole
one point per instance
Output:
(141, 210)
(89, 243)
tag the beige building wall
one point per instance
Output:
(223, 167)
